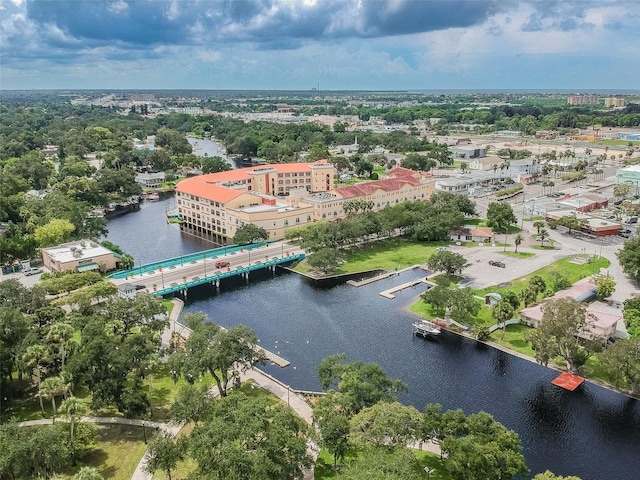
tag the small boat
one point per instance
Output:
(152, 196)
(424, 328)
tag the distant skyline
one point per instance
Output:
(579, 45)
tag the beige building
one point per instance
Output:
(79, 256)
(282, 196)
(614, 102)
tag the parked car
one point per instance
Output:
(32, 271)
(633, 219)
(222, 264)
(626, 233)
(497, 264)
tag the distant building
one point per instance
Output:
(150, 180)
(79, 256)
(630, 174)
(470, 183)
(614, 102)
(472, 234)
(467, 152)
(582, 99)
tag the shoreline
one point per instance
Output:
(515, 353)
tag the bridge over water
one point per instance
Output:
(178, 274)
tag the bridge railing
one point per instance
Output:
(186, 259)
(219, 275)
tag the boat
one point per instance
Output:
(152, 196)
(425, 327)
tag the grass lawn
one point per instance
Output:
(514, 339)
(169, 305)
(543, 247)
(383, 255)
(117, 451)
(324, 464)
(518, 254)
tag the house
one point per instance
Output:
(472, 234)
(79, 256)
(601, 325)
(150, 180)
(127, 290)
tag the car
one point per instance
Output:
(32, 271)
(497, 264)
(222, 264)
(633, 219)
(624, 233)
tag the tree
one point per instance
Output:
(518, 241)
(564, 321)
(222, 353)
(386, 424)
(460, 302)
(249, 233)
(622, 363)
(361, 384)
(88, 473)
(61, 333)
(51, 387)
(53, 233)
(537, 284)
(447, 261)
(629, 258)
(214, 164)
(325, 259)
(192, 403)
(503, 311)
(500, 216)
(538, 225)
(528, 296)
(164, 453)
(73, 408)
(622, 190)
(420, 163)
(377, 463)
(332, 422)
(249, 437)
(550, 476)
(34, 357)
(605, 286)
(543, 235)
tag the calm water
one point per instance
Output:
(592, 433)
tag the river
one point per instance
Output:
(593, 433)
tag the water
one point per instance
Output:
(592, 433)
(209, 148)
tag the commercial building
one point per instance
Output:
(470, 183)
(582, 99)
(282, 196)
(614, 102)
(79, 256)
(630, 175)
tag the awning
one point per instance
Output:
(87, 267)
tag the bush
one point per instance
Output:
(482, 332)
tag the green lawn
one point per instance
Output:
(324, 465)
(117, 451)
(383, 255)
(518, 254)
(514, 339)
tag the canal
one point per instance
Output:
(592, 433)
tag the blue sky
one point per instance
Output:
(339, 44)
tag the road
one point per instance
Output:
(175, 275)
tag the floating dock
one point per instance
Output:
(425, 327)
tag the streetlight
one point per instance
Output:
(162, 276)
(204, 259)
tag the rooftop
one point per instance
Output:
(78, 250)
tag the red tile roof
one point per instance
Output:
(369, 188)
(208, 186)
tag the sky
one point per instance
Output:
(577, 45)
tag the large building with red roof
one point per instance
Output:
(281, 196)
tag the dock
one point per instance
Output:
(425, 327)
(390, 292)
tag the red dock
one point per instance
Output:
(568, 381)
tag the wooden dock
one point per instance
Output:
(425, 327)
(390, 292)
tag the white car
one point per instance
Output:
(32, 271)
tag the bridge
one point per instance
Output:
(181, 273)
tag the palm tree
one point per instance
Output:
(503, 311)
(61, 333)
(517, 240)
(528, 296)
(538, 225)
(33, 357)
(543, 235)
(73, 409)
(51, 387)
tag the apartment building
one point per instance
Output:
(281, 196)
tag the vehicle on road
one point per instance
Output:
(625, 233)
(222, 264)
(497, 264)
(32, 271)
(633, 219)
